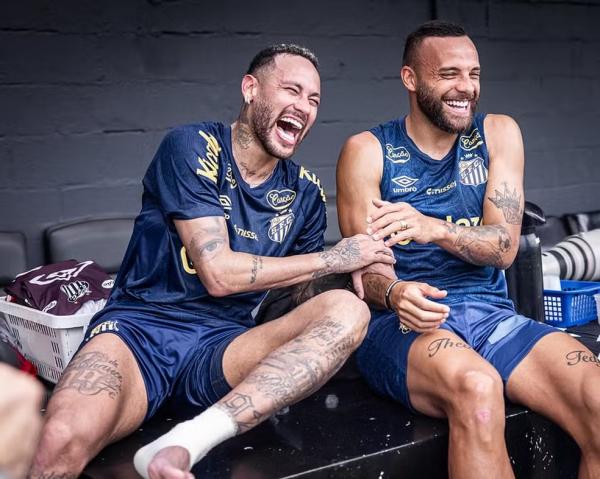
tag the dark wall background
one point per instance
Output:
(88, 88)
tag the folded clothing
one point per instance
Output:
(61, 288)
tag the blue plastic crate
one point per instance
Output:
(572, 306)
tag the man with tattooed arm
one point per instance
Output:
(225, 216)
(443, 187)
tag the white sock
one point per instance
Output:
(198, 435)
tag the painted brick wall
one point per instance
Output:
(88, 88)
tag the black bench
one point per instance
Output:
(345, 431)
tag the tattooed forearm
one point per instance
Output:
(481, 245)
(338, 258)
(257, 265)
(445, 343)
(92, 373)
(375, 287)
(510, 204)
(576, 357)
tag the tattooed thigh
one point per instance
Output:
(92, 373)
(581, 357)
(442, 344)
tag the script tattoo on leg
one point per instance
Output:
(445, 343)
(92, 373)
(581, 356)
(510, 204)
(345, 253)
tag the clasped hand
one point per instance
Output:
(398, 222)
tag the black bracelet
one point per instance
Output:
(388, 291)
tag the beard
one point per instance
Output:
(433, 109)
(261, 122)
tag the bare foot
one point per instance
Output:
(170, 463)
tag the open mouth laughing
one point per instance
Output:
(289, 129)
(460, 107)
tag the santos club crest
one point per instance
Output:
(280, 226)
(473, 172)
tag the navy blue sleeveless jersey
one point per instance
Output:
(193, 175)
(451, 189)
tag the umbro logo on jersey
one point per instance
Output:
(396, 154)
(281, 199)
(226, 204)
(405, 181)
(406, 184)
(472, 172)
(280, 226)
(471, 141)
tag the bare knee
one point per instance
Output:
(477, 402)
(589, 414)
(61, 449)
(590, 393)
(347, 309)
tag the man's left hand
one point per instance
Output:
(400, 222)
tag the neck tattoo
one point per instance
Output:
(244, 136)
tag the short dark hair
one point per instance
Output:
(266, 57)
(435, 28)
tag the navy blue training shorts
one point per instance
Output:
(179, 353)
(496, 332)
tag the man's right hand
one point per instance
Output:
(356, 252)
(415, 311)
